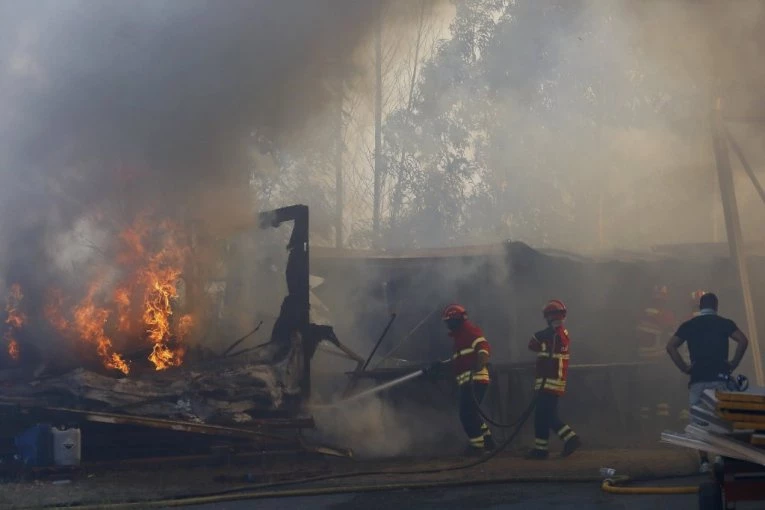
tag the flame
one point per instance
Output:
(160, 278)
(15, 320)
(150, 259)
(89, 322)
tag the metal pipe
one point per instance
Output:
(408, 335)
(379, 341)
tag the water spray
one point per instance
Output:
(375, 390)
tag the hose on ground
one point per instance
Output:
(616, 486)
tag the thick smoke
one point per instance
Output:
(159, 99)
(111, 109)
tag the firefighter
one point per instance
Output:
(469, 363)
(552, 348)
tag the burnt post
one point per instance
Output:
(733, 230)
(298, 259)
(293, 325)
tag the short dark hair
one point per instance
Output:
(708, 300)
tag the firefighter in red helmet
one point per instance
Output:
(552, 348)
(469, 364)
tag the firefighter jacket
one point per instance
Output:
(653, 332)
(552, 348)
(468, 342)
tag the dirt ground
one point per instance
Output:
(111, 486)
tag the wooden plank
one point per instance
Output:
(745, 406)
(756, 395)
(738, 415)
(181, 426)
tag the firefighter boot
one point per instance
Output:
(570, 446)
(489, 443)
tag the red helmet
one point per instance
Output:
(454, 312)
(554, 310)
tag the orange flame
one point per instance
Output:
(15, 320)
(160, 278)
(89, 321)
(151, 257)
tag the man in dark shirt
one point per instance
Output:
(707, 337)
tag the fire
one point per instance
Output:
(15, 320)
(159, 279)
(139, 306)
(89, 322)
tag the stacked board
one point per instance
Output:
(745, 411)
(726, 423)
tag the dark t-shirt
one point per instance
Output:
(707, 337)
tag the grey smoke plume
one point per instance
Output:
(113, 107)
(168, 93)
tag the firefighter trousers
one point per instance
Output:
(546, 419)
(472, 422)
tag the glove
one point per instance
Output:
(433, 370)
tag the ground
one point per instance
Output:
(101, 486)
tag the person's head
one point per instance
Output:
(708, 302)
(453, 316)
(554, 311)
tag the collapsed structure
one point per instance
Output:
(245, 393)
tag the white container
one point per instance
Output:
(67, 446)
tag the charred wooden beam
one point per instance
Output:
(258, 431)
